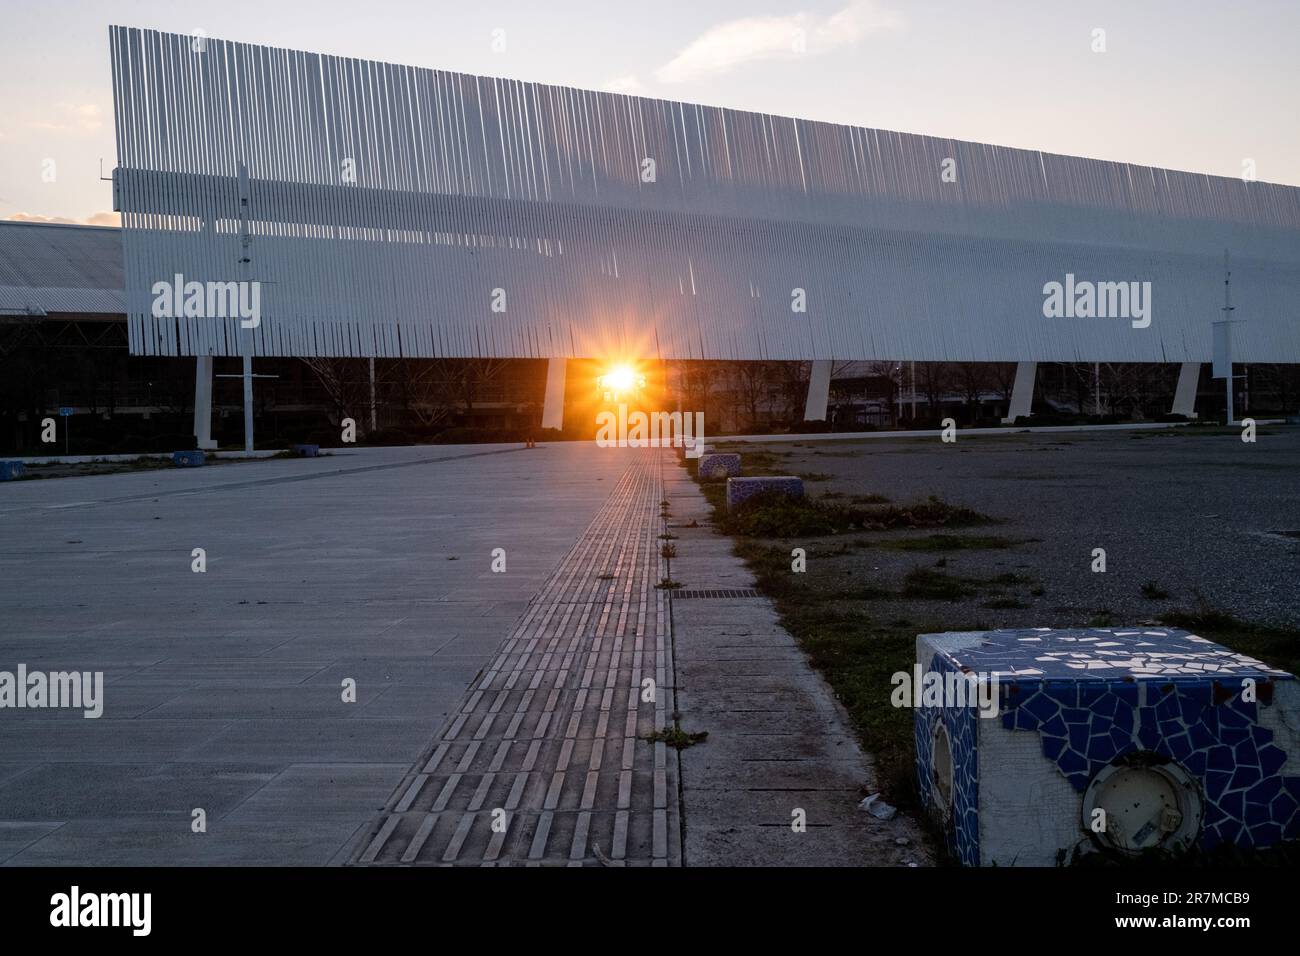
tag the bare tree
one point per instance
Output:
(699, 381)
(1002, 376)
(973, 380)
(752, 380)
(933, 379)
(792, 380)
(427, 393)
(347, 385)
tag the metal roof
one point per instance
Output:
(56, 267)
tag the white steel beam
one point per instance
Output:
(819, 391)
(1022, 392)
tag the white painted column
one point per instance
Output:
(203, 403)
(819, 391)
(1189, 374)
(1022, 392)
(553, 407)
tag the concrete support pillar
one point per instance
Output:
(203, 403)
(248, 403)
(819, 391)
(374, 415)
(553, 407)
(1185, 394)
(1022, 392)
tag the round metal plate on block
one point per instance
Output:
(1147, 805)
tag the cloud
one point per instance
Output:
(71, 118)
(32, 217)
(735, 43)
(628, 83)
(95, 219)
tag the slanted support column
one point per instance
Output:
(203, 403)
(553, 407)
(819, 391)
(1022, 392)
(1189, 375)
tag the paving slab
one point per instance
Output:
(369, 564)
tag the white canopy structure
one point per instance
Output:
(401, 211)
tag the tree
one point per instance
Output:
(973, 381)
(346, 382)
(752, 380)
(934, 379)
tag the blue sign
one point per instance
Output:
(65, 411)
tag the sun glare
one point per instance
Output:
(620, 378)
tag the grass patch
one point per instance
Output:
(1005, 604)
(1010, 577)
(858, 660)
(1152, 591)
(834, 623)
(774, 515)
(760, 462)
(932, 585)
(677, 738)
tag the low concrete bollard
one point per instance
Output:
(1024, 734)
(307, 451)
(188, 459)
(741, 489)
(11, 470)
(716, 466)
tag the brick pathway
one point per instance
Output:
(544, 761)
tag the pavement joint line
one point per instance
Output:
(262, 482)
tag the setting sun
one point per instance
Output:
(621, 381)
(620, 378)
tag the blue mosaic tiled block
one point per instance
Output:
(11, 470)
(717, 465)
(307, 451)
(1078, 707)
(741, 489)
(188, 459)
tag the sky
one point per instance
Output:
(1197, 85)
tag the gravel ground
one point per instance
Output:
(1212, 521)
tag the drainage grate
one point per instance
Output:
(682, 595)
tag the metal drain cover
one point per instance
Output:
(683, 595)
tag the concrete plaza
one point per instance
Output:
(224, 690)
